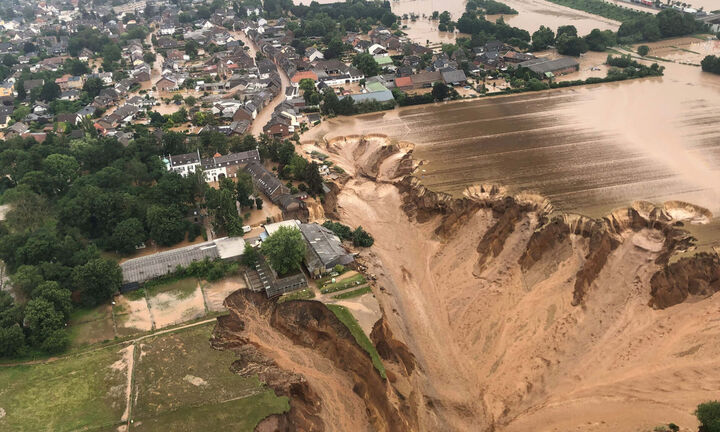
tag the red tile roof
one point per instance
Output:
(304, 74)
(403, 82)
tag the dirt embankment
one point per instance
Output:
(482, 328)
(282, 343)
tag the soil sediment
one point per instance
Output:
(498, 314)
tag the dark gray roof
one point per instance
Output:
(326, 250)
(264, 179)
(454, 76)
(544, 65)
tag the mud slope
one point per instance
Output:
(518, 320)
(304, 352)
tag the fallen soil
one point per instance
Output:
(498, 314)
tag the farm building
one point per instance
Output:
(546, 68)
(324, 250)
(142, 269)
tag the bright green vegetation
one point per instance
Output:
(354, 293)
(352, 281)
(351, 323)
(234, 415)
(183, 371)
(284, 249)
(77, 392)
(602, 8)
(303, 294)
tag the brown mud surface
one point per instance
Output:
(498, 313)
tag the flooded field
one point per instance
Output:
(588, 149)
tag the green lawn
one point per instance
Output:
(183, 288)
(182, 370)
(89, 326)
(237, 415)
(353, 293)
(74, 393)
(351, 323)
(180, 384)
(303, 294)
(355, 280)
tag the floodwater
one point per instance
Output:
(588, 149)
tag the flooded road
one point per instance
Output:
(588, 149)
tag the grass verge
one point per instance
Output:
(352, 281)
(354, 293)
(351, 323)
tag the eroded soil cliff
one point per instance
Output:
(499, 314)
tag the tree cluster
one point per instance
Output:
(711, 64)
(359, 236)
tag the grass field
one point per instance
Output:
(303, 294)
(235, 415)
(355, 280)
(353, 293)
(180, 384)
(89, 326)
(349, 320)
(79, 392)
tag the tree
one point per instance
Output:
(26, 278)
(571, 45)
(59, 297)
(166, 225)
(362, 238)
(542, 38)
(244, 189)
(50, 91)
(250, 256)
(191, 48)
(93, 86)
(598, 40)
(111, 53)
(440, 91)
(20, 89)
(190, 100)
(127, 235)
(285, 249)
(41, 319)
(334, 48)
(12, 340)
(97, 280)
(258, 203)
(222, 205)
(568, 30)
(708, 414)
(62, 170)
(643, 50)
(313, 178)
(56, 342)
(711, 64)
(366, 64)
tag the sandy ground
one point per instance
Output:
(168, 308)
(505, 349)
(216, 292)
(132, 316)
(365, 309)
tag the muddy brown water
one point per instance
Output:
(588, 149)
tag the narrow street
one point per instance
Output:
(264, 116)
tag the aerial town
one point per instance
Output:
(360, 215)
